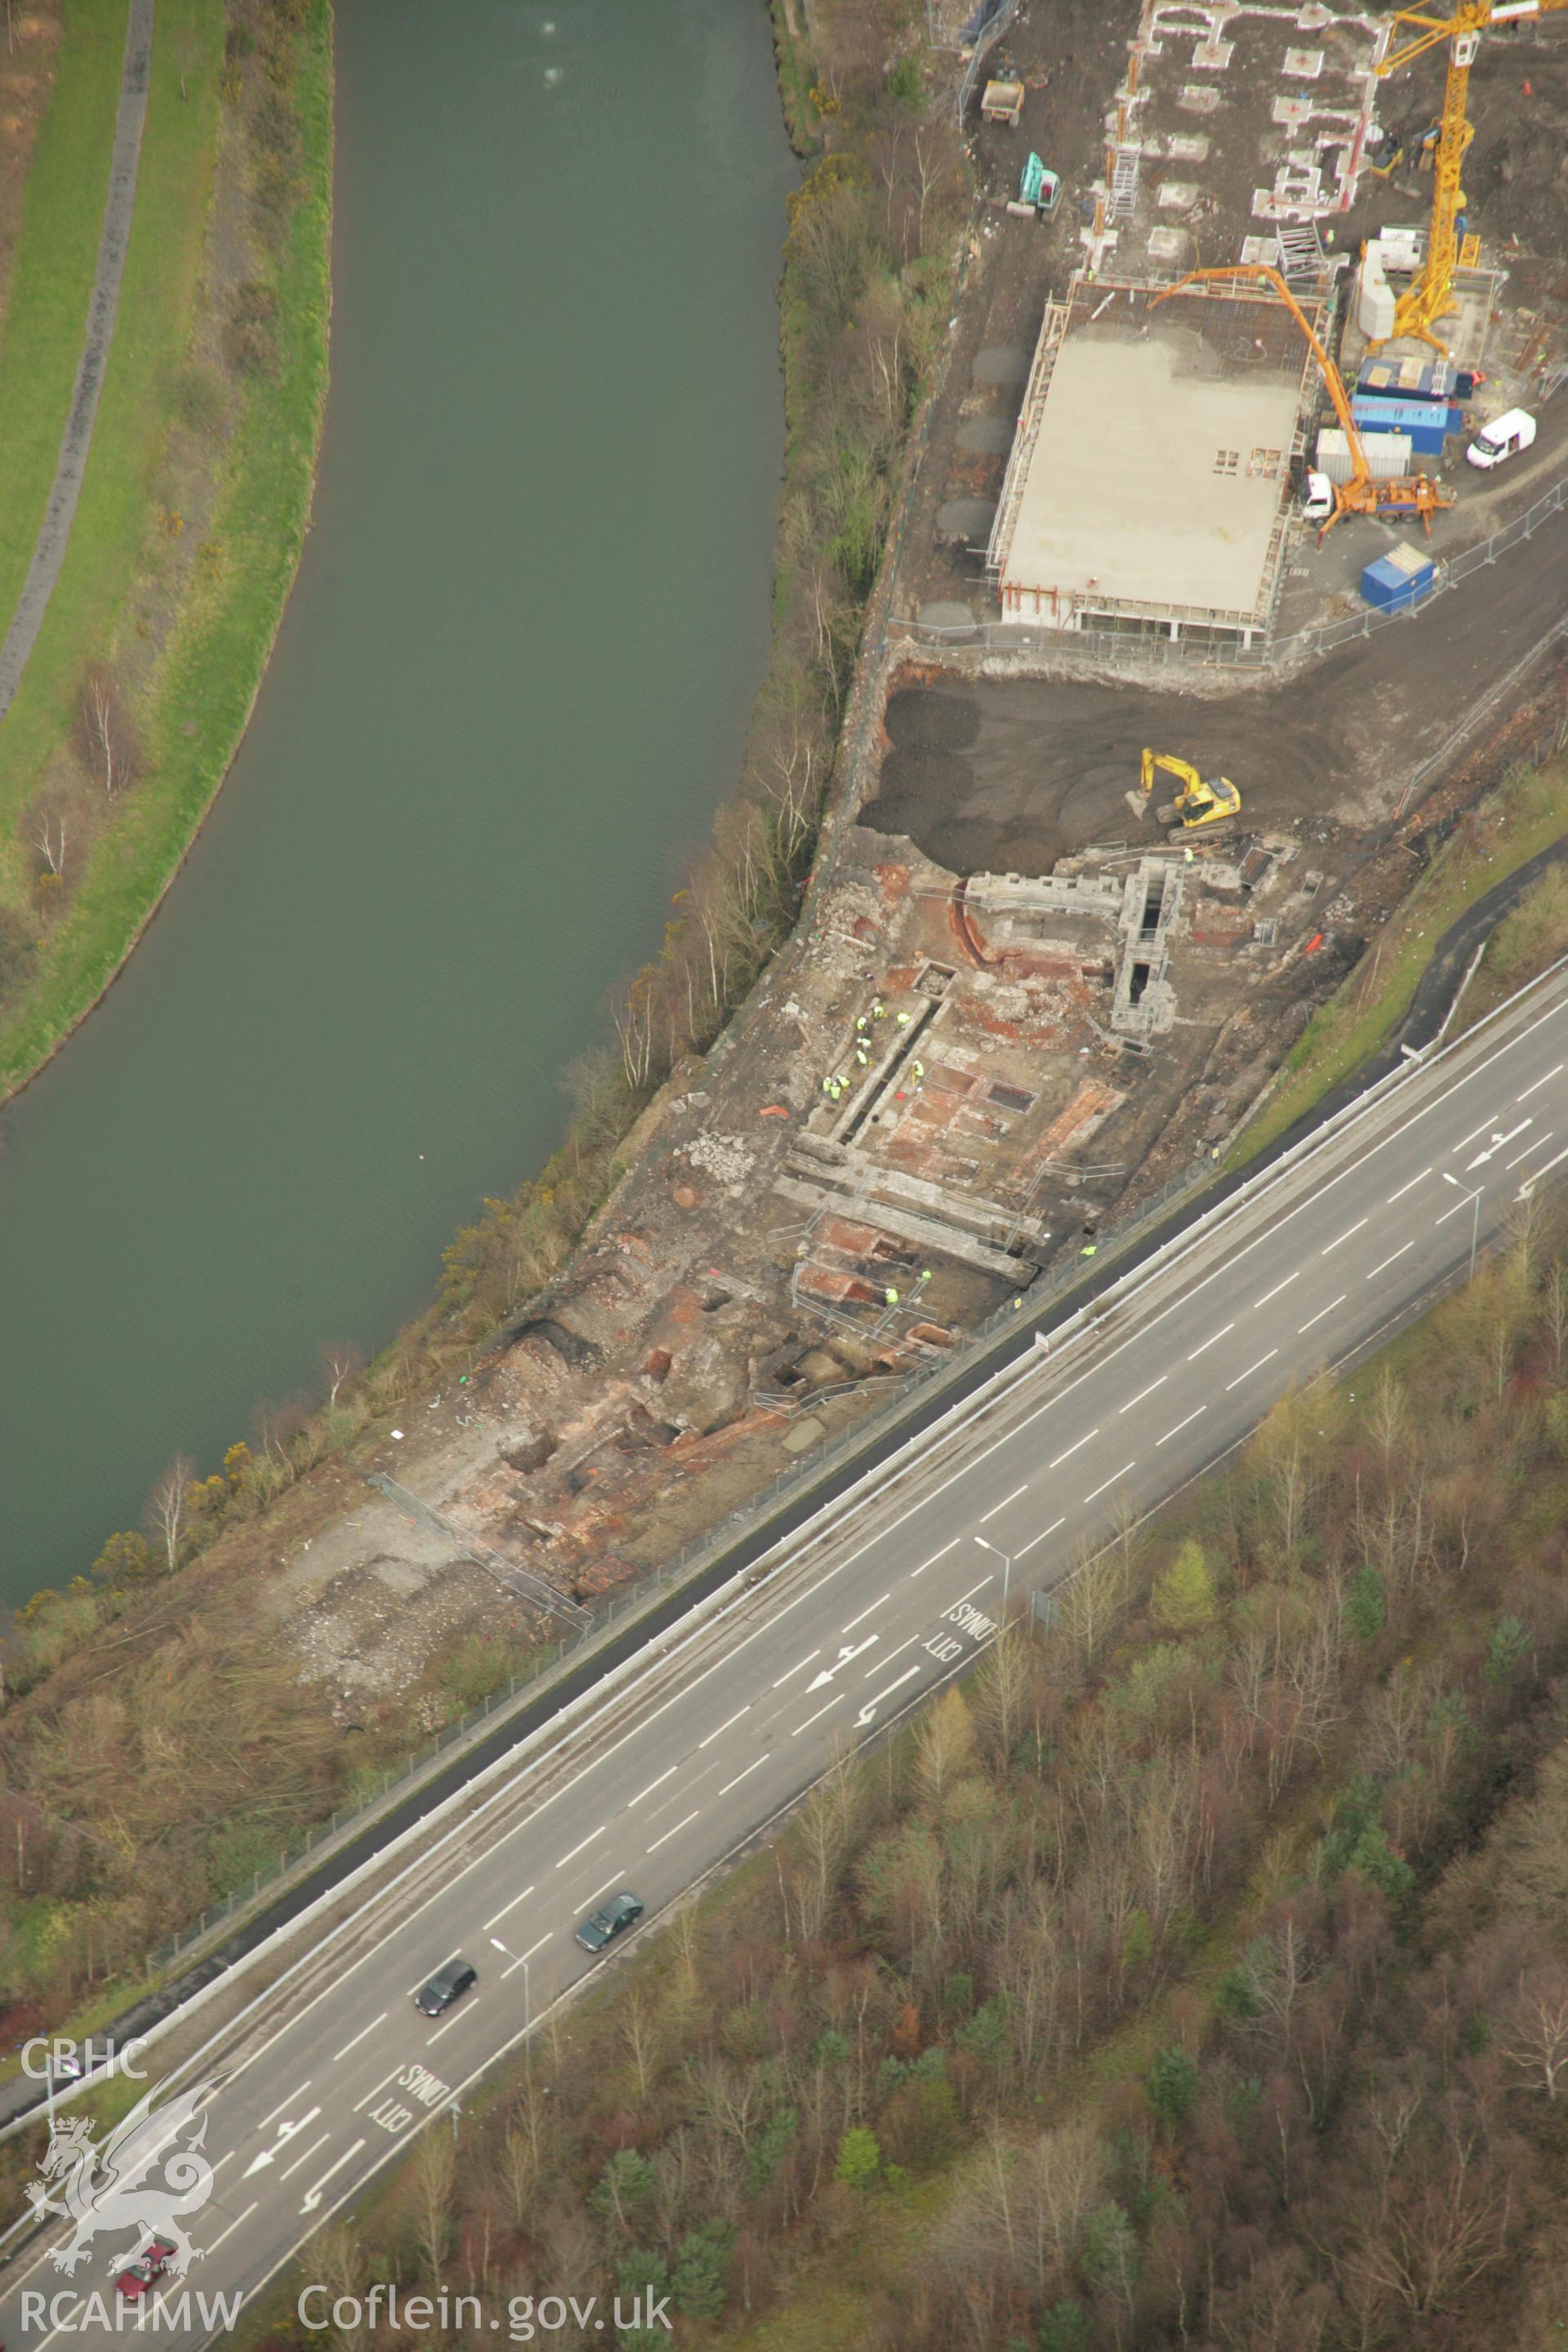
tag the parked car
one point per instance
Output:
(612, 1919)
(1501, 438)
(449, 1983)
(139, 2277)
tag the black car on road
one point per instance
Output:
(612, 1919)
(449, 1983)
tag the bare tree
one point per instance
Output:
(1538, 2035)
(51, 838)
(168, 1508)
(433, 2174)
(340, 1364)
(107, 739)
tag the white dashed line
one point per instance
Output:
(540, 1946)
(930, 1562)
(1463, 1203)
(1146, 1392)
(686, 1824)
(587, 1902)
(1181, 1425)
(800, 1669)
(1520, 1157)
(1247, 1375)
(1408, 1188)
(1072, 1450)
(1475, 1131)
(1040, 1537)
(738, 1778)
(1321, 1313)
(866, 1613)
(1279, 1287)
(1389, 1261)
(576, 1849)
(1213, 1341)
(728, 1724)
(501, 1914)
(231, 2229)
(1546, 1081)
(1110, 1481)
(675, 1768)
(816, 1717)
(883, 1664)
(991, 1513)
(359, 2037)
(1345, 1236)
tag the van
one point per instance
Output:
(1500, 438)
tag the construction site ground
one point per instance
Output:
(838, 1193)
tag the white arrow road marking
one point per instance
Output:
(869, 1712)
(849, 1651)
(313, 2195)
(285, 2133)
(1496, 1145)
(1528, 1187)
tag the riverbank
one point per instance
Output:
(198, 491)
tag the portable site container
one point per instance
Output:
(1414, 379)
(1401, 577)
(1387, 455)
(1427, 423)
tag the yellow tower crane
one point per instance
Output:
(1431, 297)
(1324, 502)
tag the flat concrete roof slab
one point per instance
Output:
(1156, 476)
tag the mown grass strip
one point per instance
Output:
(1524, 817)
(57, 251)
(206, 681)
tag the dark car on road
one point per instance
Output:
(449, 1984)
(612, 1919)
(141, 2276)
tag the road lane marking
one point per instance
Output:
(1530, 1184)
(501, 1914)
(1390, 1261)
(869, 1712)
(883, 1664)
(847, 1653)
(435, 2037)
(313, 2194)
(1110, 1481)
(794, 1670)
(1279, 1287)
(864, 1614)
(576, 1849)
(816, 1717)
(1212, 1341)
(934, 1557)
(286, 2132)
(1321, 1313)
(231, 2229)
(1071, 1451)
(1520, 1157)
(737, 1781)
(991, 1513)
(539, 1946)
(1041, 1537)
(675, 1768)
(603, 1888)
(424, 1979)
(970, 1594)
(724, 1727)
(1139, 1398)
(1345, 1236)
(686, 1824)
(1181, 1425)
(1464, 1139)
(1546, 1081)
(1407, 1188)
(1247, 1375)
(304, 2087)
(360, 2036)
(1463, 1203)
(1496, 1145)
(314, 2149)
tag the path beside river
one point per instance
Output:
(512, 684)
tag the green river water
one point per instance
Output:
(512, 684)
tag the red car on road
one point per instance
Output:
(141, 2275)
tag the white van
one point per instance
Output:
(1501, 438)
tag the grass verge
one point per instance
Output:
(200, 685)
(1498, 837)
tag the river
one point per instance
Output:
(512, 684)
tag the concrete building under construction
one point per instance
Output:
(1148, 490)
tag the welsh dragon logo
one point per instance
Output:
(136, 2185)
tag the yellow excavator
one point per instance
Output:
(1200, 800)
